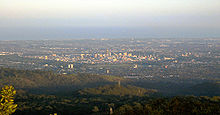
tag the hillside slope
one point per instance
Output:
(118, 90)
(24, 79)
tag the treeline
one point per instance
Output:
(173, 106)
(120, 105)
(32, 104)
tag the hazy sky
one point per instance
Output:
(186, 17)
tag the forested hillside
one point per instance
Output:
(118, 90)
(46, 80)
(207, 89)
(189, 105)
(121, 105)
(44, 92)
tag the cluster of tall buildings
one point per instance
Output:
(93, 58)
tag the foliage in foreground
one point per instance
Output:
(7, 105)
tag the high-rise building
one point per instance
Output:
(82, 56)
(107, 71)
(108, 53)
(70, 66)
(46, 58)
(135, 66)
(125, 54)
(96, 55)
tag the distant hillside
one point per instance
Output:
(204, 89)
(39, 79)
(118, 90)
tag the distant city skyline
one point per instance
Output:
(69, 19)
